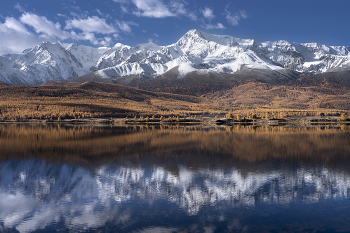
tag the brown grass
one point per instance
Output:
(93, 99)
(89, 100)
(265, 98)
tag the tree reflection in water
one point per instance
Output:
(186, 179)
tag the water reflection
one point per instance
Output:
(193, 186)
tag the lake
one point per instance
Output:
(66, 178)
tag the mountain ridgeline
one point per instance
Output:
(197, 59)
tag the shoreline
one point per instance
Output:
(290, 121)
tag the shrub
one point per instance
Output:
(238, 117)
(216, 116)
(229, 116)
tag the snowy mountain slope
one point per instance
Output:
(122, 53)
(194, 52)
(199, 51)
(86, 55)
(47, 62)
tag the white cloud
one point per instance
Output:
(15, 37)
(98, 11)
(244, 14)
(208, 13)
(126, 26)
(14, 24)
(62, 15)
(156, 8)
(152, 8)
(216, 26)
(19, 7)
(179, 9)
(121, 1)
(91, 37)
(44, 26)
(107, 40)
(91, 24)
(192, 16)
(124, 9)
(234, 18)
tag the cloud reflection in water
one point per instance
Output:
(35, 194)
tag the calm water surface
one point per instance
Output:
(114, 179)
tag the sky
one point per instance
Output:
(26, 23)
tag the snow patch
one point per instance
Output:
(185, 69)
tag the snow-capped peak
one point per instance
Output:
(195, 51)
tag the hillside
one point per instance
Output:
(89, 99)
(309, 95)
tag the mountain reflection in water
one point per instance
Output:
(119, 179)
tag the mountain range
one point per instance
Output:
(195, 57)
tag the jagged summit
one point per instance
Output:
(196, 51)
(226, 40)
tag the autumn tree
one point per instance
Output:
(343, 116)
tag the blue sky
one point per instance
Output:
(26, 23)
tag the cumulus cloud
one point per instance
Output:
(208, 13)
(156, 8)
(15, 37)
(152, 8)
(91, 24)
(30, 30)
(88, 36)
(234, 18)
(215, 26)
(14, 24)
(43, 25)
